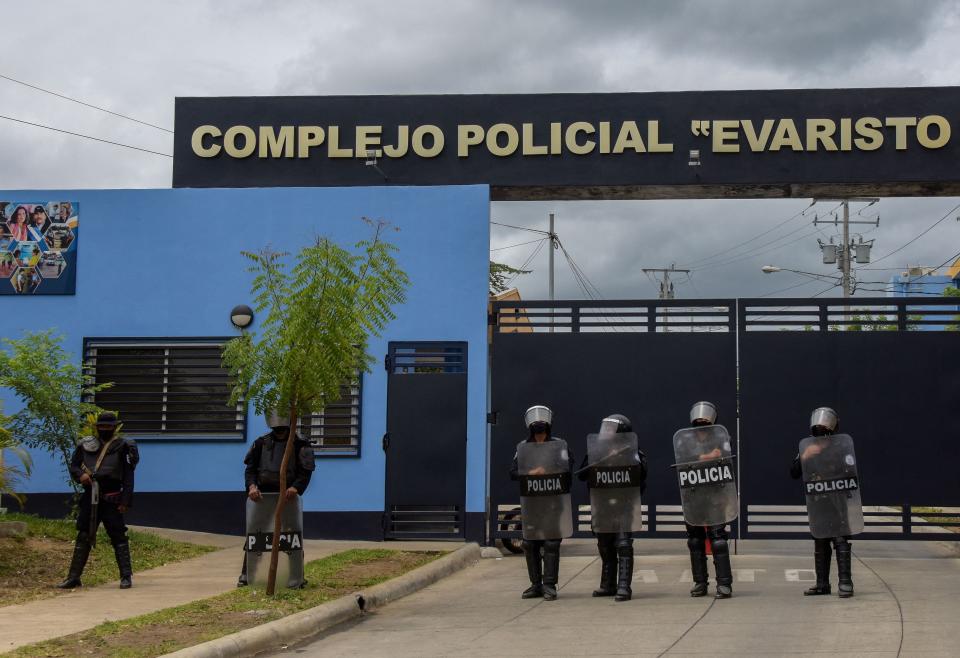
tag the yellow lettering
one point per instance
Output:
(846, 135)
(418, 141)
(529, 148)
(786, 135)
(923, 131)
(230, 141)
(368, 139)
(275, 144)
(870, 137)
(629, 137)
(571, 138)
(334, 150)
(605, 136)
(196, 141)
(467, 136)
(723, 132)
(403, 143)
(653, 139)
(493, 139)
(307, 138)
(900, 125)
(821, 130)
(556, 138)
(757, 142)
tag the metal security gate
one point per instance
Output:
(649, 360)
(426, 440)
(891, 369)
(890, 366)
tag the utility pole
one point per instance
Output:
(846, 250)
(666, 287)
(553, 246)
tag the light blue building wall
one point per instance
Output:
(167, 263)
(928, 285)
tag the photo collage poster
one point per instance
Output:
(38, 247)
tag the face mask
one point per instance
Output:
(105, 435)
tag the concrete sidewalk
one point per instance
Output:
(156, 589)
(905, 593)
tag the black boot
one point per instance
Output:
(721, 564)
(608, 568)
(844, 568)
(698, 566)
(122, 553)
(242, 580)
(821, 565)
(81, 551)
(624, 570)
(531, 551)
(551, 568)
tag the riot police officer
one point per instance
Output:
(104, 464)
(263, 460)
(824, 422)
(704, 414)
(547, 519)
(621, 503)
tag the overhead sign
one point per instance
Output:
(634, 145)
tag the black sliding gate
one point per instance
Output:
(890, 366)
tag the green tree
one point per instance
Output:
(953, 292)
(318, 316)
(10, 475)
(54, 391)
(500, 273)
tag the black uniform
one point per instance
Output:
(697, 544)
(822, 550)
(543, 555)
(117, 457)
(263, 462)
(616, 548)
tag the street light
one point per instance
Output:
(767, 269)
(241, 316)
(770, 269)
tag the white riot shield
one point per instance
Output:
(260, 537)
(614, 482)
(706, 474)
(831, 485)
(545, 508)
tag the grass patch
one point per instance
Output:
(31, 566)
(926, 513)
(172, 629)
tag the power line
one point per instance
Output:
(523, 267)
(519, 244)
(96, 139)
(84, 103)
(521, 228)
(910, 242)
(753, 254)
(797, 285)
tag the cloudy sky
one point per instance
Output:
(135, 57)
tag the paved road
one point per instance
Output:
(905, 594)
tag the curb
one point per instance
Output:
(309, 623)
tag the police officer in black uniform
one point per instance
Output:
(543, 556)
(703, 414)
(616, 548)
(104, 465)
(824, 422)
(262, 473)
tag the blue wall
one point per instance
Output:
(167, 263)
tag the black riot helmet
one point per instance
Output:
(616, 424)
(824, 421)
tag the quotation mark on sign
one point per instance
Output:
(700, 127)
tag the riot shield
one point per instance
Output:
(831, 485)
(545, 507)
(614, 482)
(260, 537)
(706, 474)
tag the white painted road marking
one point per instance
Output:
(799, 575)
(747, 575)
(645, 576)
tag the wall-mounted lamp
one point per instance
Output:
(241, 316)
(694, 160)
(371, 161)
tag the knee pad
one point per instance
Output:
(720, 546)
(841, 543)
(625, 547)
(551, 546)
(696, 544)
(530, 546)
(717, 533)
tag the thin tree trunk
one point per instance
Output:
(281, 502)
